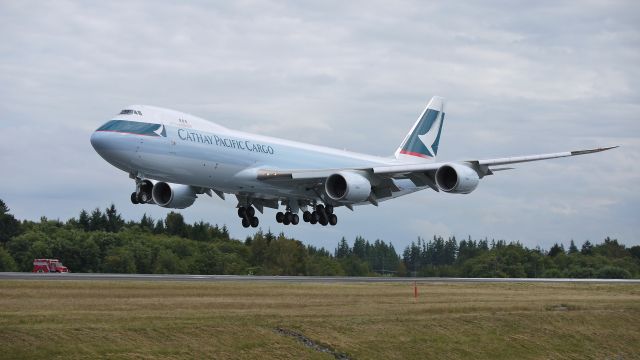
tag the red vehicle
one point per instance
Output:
(49, 266)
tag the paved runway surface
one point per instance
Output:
(294, 279)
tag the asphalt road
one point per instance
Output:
(293, 279)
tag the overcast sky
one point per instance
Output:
(526, 78)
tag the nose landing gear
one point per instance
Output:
(142, 195)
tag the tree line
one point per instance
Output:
(102, 241)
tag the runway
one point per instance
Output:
(293, 279)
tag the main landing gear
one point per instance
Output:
(287, 218)
(321, 215)
(248, 216)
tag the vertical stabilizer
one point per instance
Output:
(423, 139)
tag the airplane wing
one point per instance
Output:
(419, 174)
(484, 165)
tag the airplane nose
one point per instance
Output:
(97, 141)
(114, 148)
(103, 143)
(110, 149)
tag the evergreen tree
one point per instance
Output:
(587, 248)
(114, 220)
(98, 221)
(84, 220)
(4, 209)
(159, 228)
(573, 249)
(9, 226)
(437, 251)
(450, 251)
(611, 248)
(360, 248)
(556, 249)
(467, 249)
(269, 237)
(423, 253)
(342, 251)
(200, 231)
(412, 256)
(146, 222)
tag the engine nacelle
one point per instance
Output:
(173, 196)
(457, 178)
(348, 187)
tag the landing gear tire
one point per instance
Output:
(245, 223)
(134, 198)
(280, 217)
(328, 209)
(295, 219)
(242, 211)
(333, 219)
(144, 198)
(251, 211)
(286, 221)
(288, 217)
(306, 216)
(323, 222)
(254, 222)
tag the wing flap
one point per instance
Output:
(296, 174)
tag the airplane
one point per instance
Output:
(174, 157)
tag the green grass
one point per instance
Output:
(167, 320)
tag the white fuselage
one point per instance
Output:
(183, 149)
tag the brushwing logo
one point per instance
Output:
(161, 131)
(423, 141)
(429, 139)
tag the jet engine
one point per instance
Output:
(173, 196)
(457, 178)
(347, 187)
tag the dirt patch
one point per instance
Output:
(312, 344)
(560, 307)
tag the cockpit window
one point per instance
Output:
(133, 127)
(130, 112)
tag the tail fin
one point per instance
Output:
(423, 139)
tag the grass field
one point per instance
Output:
(166, 320)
